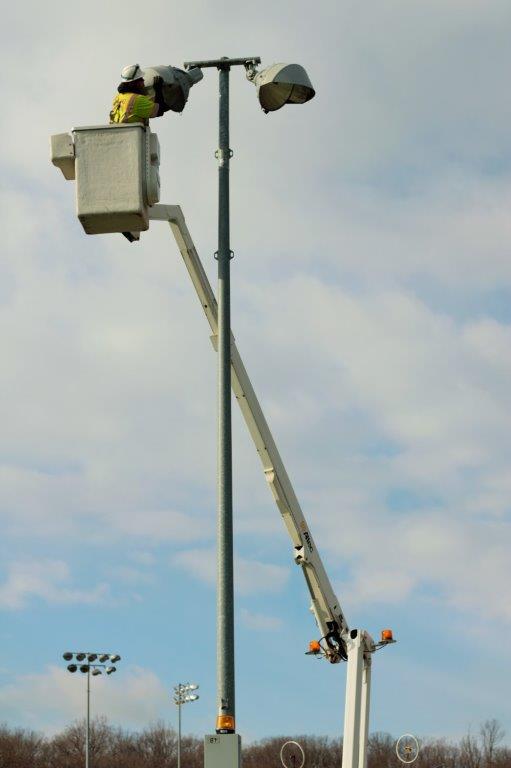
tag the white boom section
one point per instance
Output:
(325, 605)
(358, 695)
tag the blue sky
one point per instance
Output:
(371, 296)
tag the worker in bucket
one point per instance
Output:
(131, 105)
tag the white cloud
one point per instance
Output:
(53, 698)
(434, 558)
(163, 524)
(433, 390)
(142, 557)
(131, 576)
(260, 621)
(251, 576)
(46, 580)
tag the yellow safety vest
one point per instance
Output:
(132, 108)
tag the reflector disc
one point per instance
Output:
(407, 748)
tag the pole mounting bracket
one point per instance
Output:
(222, 154)
(231, 255)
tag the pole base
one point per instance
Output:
(222, 750)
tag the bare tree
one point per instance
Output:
(470, 751)
(156, 747)
(491, 733)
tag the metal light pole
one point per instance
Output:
(95, 665)
(278, 85)
(182, 696)
(87, 725)
(226, 702)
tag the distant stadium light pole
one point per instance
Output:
(95, 665)
(182, 696)
(276, 86)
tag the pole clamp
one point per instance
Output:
(231, 255)
(222, 155)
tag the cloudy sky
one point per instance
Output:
(371, 304)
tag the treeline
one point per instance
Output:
(156, 747)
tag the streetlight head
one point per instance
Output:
(96, 672)
(80, 656)
(67, 656)
(84, 668)
(92, 657)
(114, 657)
(72, 667)
(103, 657)
(176, 84)
(110, 670)
(282, 84)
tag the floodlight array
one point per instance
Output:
(95, 662)
(183, 695)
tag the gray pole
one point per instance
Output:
(87, 725)
(225, 722)
(225, 591)
(179, 734)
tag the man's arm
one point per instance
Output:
(158, 95)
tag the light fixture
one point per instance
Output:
(176, 84)
(281, 84)
(114, 657)
(94, 669)
(181, 697)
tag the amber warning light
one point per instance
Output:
(225, 724)
(386, 636)
(314, 647)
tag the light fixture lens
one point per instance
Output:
(114, 657)
(72, 667)
(283, 84)
(80, 656)
(67, 655)
(191, 687)
(103, 657)
(92, 656)
(96, 672)
(84, 668)
(110, 670)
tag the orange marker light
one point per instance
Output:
(225, 723)
(386, 635)
(314, 647)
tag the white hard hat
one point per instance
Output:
(132, 72)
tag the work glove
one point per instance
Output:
(158, 89)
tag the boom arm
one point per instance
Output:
(325, 605)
